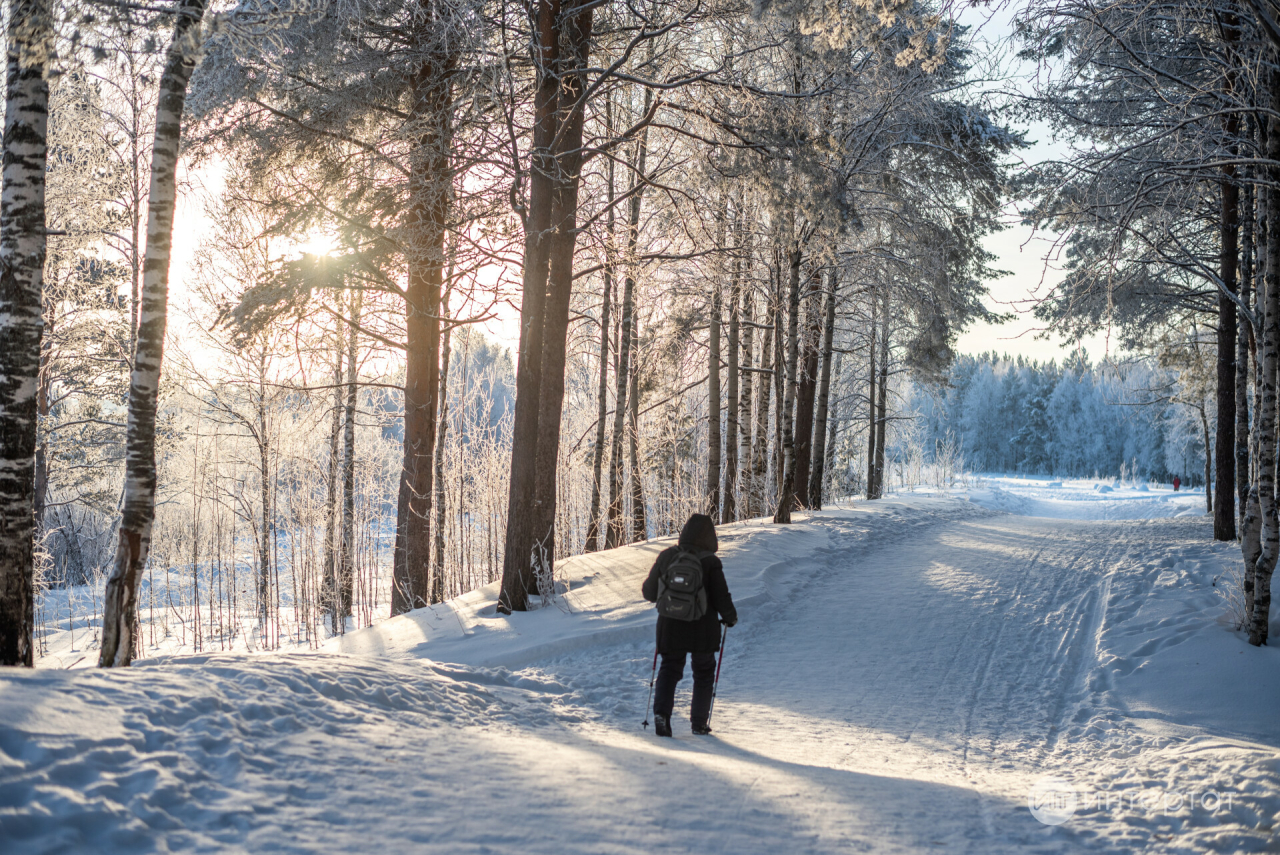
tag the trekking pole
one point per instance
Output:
(651, 676)
(724, 633)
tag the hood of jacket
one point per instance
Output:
(699, 533)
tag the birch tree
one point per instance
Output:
(29, 43)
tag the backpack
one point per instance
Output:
(681, 595)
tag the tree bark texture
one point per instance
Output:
(346, 554)
(882, 395)
(760, 451)
(22, 256)
(1270, 536)
(712, 505)
(430, 187)
(1224, 487)
(1242, 355)
(437, 570)
(602, 393)
(560, 53)
(639, 518)
(816, 482)
(746, 412)
(786, 495)
(729, 493)
(806, 389)
(138, 504)
(872, 343)
(330, 585)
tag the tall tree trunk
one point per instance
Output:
(602, 394)
(833, 424)
(613, 513)
(639, 519)
(779, 372)
(138, 504)
(1224, 519)
(712, 502)
(332, 602)
(22, 256)
(1259, 619)
(882, 395)
(729, 501)
(806, 389)
(824, 392)
(430, 189)
(746, 459)
(1207, 433)
(614, 534)
(786, 496)
(437, 572)
(760, 453)
(873, 343)
(346, 555)
(560, 57)
(1242, 356)
(40, 500)
(264, 503)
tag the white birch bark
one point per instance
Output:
(22, 255)
(1266, 563)
(120, 604)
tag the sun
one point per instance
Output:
(317, 243)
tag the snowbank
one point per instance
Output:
(602, 604)
(1083, 500)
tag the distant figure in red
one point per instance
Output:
(1177, 482)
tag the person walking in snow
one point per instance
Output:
(699, 636)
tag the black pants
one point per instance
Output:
(671, 671)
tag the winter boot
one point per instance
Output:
(701, 729)
(661, 725)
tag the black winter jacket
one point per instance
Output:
(701, 635)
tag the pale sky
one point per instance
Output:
(1022, 252)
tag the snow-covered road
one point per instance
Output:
(903, 674)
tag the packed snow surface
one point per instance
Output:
(905, 672)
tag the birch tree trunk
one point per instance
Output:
(1242, 354)
(882, 395)
(1260, 616)
(346, 553)
(746, 413)
(330, 585)
(120, 600)
(639, 518)
(729, 502)
(873, 342)
(613, 513)
(760, 453)
(602, 393)
(712, 504)
(786, 495)
(264, 502)
(824, 392)
(614, 534)
(22, 256)
(437, 572)
(779, 373)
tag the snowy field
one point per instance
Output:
(905, 673)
